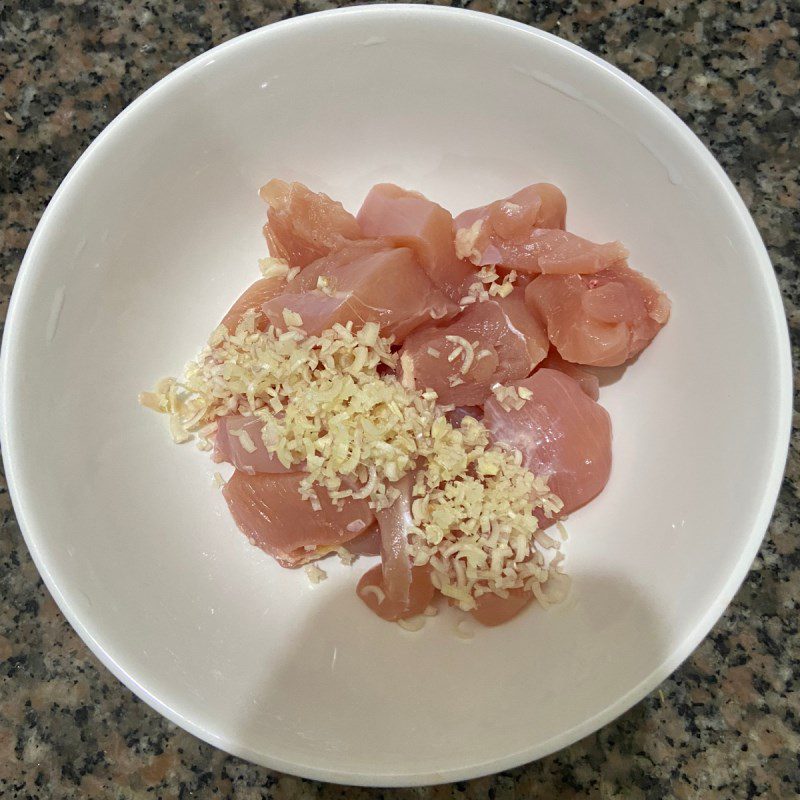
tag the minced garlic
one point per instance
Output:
(487, 274)
(326, 286)
(324, 403)
(273, 267)
(321, 399)
(488, 285)
(412, 624)
(315, 574)
(511, 399)
(473, 516)
(463, 347)
(466, 239)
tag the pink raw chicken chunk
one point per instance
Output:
(491, 609)
(368, 281)
(270, 511)
(230, 447)
(394, 523)
(588, 381)
(457, 415)
(525, 232)
(560, 253)
(601, 320)
(510, 343)
(302, 225)
(407, 589)
(409, 219)
(540, 205)
(562, 434)
(367, 544)
(420, 594)
(252, 299)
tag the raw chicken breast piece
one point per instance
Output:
(404, 591)
(506, 341)
(367, 543)
(562, 434)
(601, 320)
(540, 205)
(302, 225)
(269, 510)
(409, 219)
(252, 299)
(363, 282)
(239, 442)
(526, 232)
(588, 381)
(559, 253)
(421, 593)
(458, 414)
(328, 266)
(491, 609)
(395, 523)
(552, 252)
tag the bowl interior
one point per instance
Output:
(158, 230)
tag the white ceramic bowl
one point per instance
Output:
(158, 228)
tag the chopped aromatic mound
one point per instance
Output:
(315, 574)
(333, 404)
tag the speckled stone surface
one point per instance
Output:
(726, 725)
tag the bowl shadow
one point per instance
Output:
(315, 666)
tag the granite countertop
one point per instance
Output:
(726, 724)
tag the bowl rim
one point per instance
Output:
(11, 444)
